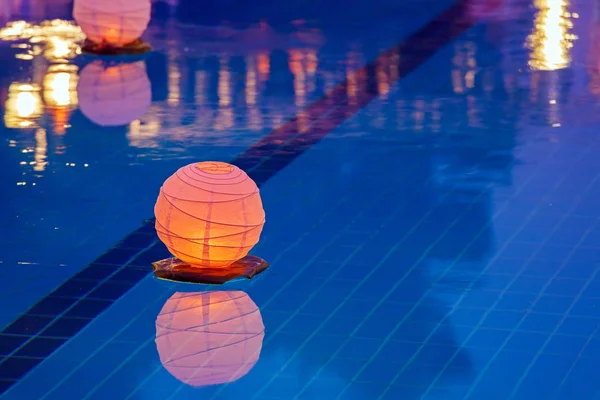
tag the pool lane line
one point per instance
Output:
(60, 315)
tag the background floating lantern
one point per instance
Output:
(114, 95)
(209, 338)
(112, 23)
(209, 214)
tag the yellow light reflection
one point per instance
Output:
(296, 65)
(60, 39)
(264, 66)
(381, 73)
(353, 76)
(41, 150)
(465, 66)
(251, 81)
(312, 65)
(255, 119)
(254, 113)
(23, 30)
(174, 78)
(24, 105)
(144, 134)
(60, 93)
(224, 83)
(224, 119)
(199, 93)
(551, 40)
(60, 84)
(58, 48)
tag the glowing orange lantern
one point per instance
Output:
(209, 214)
(114, 95)
(209, 338)
(114, 23)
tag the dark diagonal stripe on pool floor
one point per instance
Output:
(73, 305)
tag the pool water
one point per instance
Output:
(428, 176)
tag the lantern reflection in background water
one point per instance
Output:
(551, 40)
(114, 95)
(60, 94)
(209, 338)
(60, 84)
(57, 40)
(551, 43)
(24, 106)
(58, 48)
(144, 134)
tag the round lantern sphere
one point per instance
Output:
(209, 214)
(209, 338)
(114, 95)
(114, 23)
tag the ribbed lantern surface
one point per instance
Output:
(209, 214)
(209, 338)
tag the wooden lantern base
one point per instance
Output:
(173, 269)
(136, 47)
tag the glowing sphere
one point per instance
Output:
(112, 22)
(209, 214)
(114, 95)
(209, 338)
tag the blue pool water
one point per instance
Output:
(429, 176)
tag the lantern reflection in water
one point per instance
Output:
(114, 95)
(60, 94)
(551, 40)
(209, 338)
(58, 48)
(57, 39)
(24, 106)
(60, 84)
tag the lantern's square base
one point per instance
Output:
(173, 269)
(136, 47)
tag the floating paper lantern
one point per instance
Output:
(114, 95)
(209, 338)
(209, 214)
(115, 23)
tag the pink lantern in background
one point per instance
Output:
(209, 338)
(113, 23)
(114, 95)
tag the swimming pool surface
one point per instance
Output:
(431, 187)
